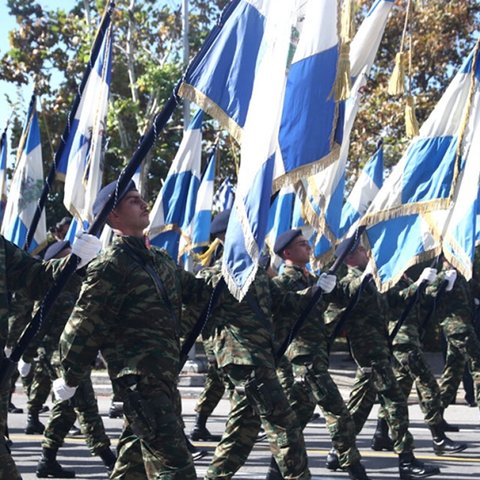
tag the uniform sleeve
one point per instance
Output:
(92, 319)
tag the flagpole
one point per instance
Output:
(105, 23)
(8, 365)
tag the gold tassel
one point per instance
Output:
(206, 257)
(411, 123)
(343, 82)
(396, 84)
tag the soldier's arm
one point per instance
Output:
(93, 318)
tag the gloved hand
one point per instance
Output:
(86, 247)
(24, 368)
(450, 276)
(7, 351)
(61, 390)
(428, 275)
(327, 282)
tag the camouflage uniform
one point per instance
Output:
(136, 326)
(309, 356)
(367, 332)
(411, 364)
(243, 344)
(455, 312)
(18, 270)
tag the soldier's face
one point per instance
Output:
(298, 252)
(358, 258)
(131, 214)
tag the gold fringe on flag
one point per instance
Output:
(396, 84)
(411, 123)
(343, 82)
(206, 257)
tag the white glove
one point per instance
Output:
(450, 276)
(86, 247)
(24, 368)
(428, 275)
(7, 351)
(327, 282)
(61, 390)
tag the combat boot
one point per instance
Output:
(49, 467)
(200, 431)
(108, 458)
(196, 452)
(332, 462)
(34, 425)
(381, 440)
(410, 468)
(442, 445)
(116, 410)
(273, 471)
(356, 471)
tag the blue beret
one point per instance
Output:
(220, 222)
(350, 243)
(283, 240)
(106, 192)
(55, 248)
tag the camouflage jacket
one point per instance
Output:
(21, 311)
(312, 335)
(239, 336)
(121, 313)
(18, 270)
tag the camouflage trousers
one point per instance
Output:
(64, 413)
(411, 366)
(374, 377)
(8, 470)
(462, 341)
(37, 386)
(258, 399)
(152, 444)
(212, 392)
(314, 386)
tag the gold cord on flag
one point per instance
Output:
(411, 123)
(343, 81)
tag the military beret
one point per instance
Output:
(55, 248)
(283, 240)
(106, 192)
(220, 222)
(350, 243)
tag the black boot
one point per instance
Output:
(196, 452)
(357, 471)
(49, 467)
(381, 440)
(108, 458)
(442, 445)
(448, 427)
(13, 409)
(273, 471)
(34, 425)
(200, 431)
(332, 462)
(410, 468)
(116, 410)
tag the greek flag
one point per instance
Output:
(280, 215)
(363, 192)
(26, 187)
(428, 204)
(322, 194)
(175, 204)
(3, 173)
(197, 233)
(224, 196)
(85, 145)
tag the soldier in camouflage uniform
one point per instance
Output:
(411, 366)
(244, 347)
(308, 354)
(84, 404)
(129, 308)
(20, 271)
(366, 329)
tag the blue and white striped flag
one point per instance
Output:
(197, 233)
(175, 204)
(224, 197)
(323, 194)
(26, 187)
(84, 151)
(428, 204)
(363, 192)
(3, 173)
